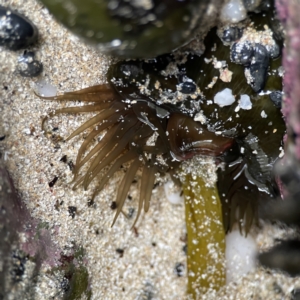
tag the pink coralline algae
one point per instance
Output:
(288, 12)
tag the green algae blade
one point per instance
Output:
(206, 237)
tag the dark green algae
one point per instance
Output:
(246, 181)
(131, 28)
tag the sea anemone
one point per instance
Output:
(138, 132)
(155, 115)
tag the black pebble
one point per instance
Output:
(242, 53)
(188, 87)
(17, 31)
(64, 284)
(53, 181)
(72, 211)
(179, 269)
(276, 98)
(28, 66)
(64, 159)
(259, 68)
(131, 70)
(120, 251)
(90, 202)
(232, 34)
(113, 205)
(18, 269)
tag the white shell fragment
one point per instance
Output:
(173, 193)
(240, 255)
(224, 98)
(263, 114)
(45, 89)
(233, 12)
(245, 102)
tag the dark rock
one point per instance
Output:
(188, 86)
(19, 262)
(53, 181)
(113, 205)
(259, 68)
(251, 5)
(72, 211)
(231, 34)
(276, 97)
(16, 31)
(285, 256)
(242, 53)
(131, 70)
(274, 51)
(28, 66)
(295, 294)
(179, 269)
(120, 251)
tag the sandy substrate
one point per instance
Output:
(146, 269)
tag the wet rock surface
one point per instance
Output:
(242, 53)
(231, 34)
(16, 31)
(276, 98)
(258, 68)
(28, 66)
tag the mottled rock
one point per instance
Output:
(16, 31)
(231, 34)
(28, 66)
(242, 53)
(259, 68)
(276, 97)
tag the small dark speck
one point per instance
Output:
(64, 159)
(277, 288)
(72, 211)
(90, 202)
(123, 289)
(54, 128)
(134, 181)
(64, 284)
(51, 164)
(5, 87)
(156, 184)
(153, 244)
(56, 147)
(2, 138)
(56, 205)
(53, 181)
(188, 87)
(120, 251)
(130, 212)
(113, 205)
(97, 231)
(71, 165)
(179, 269)
(129, 197)
(136, 233)
(184, 249)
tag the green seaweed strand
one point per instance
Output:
(205, 237)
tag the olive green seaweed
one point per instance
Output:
(206, 237)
